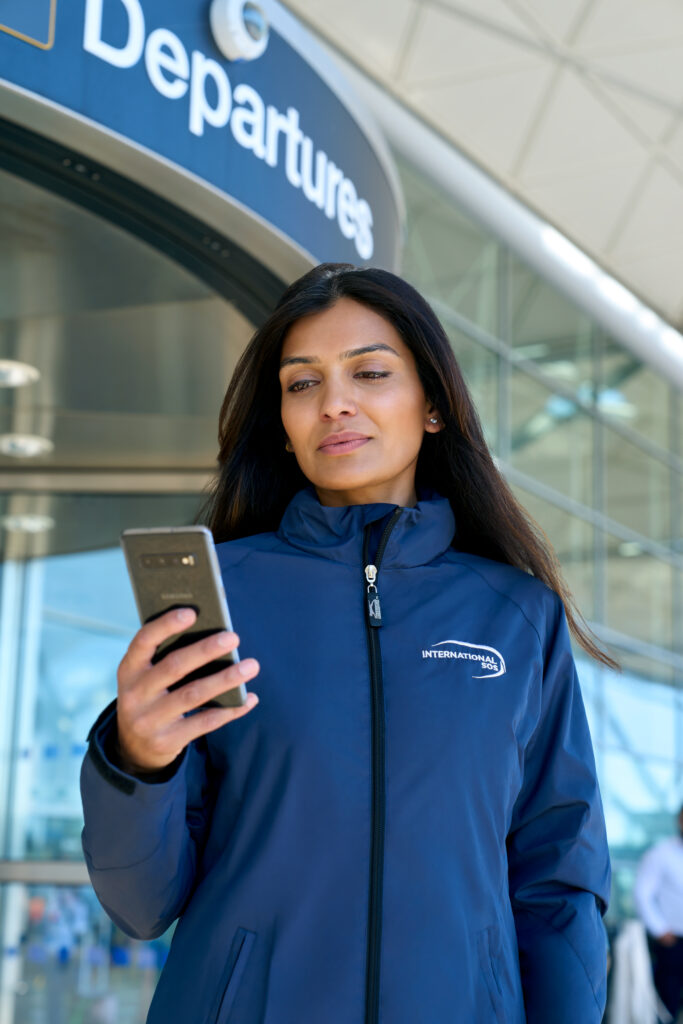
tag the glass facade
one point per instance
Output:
(590, 440)
(65, 962)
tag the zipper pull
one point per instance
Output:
(374, 608)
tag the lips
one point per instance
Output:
(341, 437)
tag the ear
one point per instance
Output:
(432, 413)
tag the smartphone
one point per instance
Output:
(177, 567)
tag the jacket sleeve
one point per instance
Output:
(142, 839)
(558, 859)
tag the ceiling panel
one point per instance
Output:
(645, 118)
(448, 47)
(371, 32)
(655, 72)
(649, 224)
(675, 145)
(597, 138)
(614, 24)
(469, 111)
(480, 72)
(559, 19)
(497, 13)
(589, 204)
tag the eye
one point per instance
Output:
(297, 386)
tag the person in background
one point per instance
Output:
(658, 897)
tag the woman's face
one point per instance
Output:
(332, 383)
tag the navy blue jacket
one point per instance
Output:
(406, 830)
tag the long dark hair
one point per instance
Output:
(257, 477)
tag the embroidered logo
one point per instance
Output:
(489, 659)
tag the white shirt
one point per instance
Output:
(658, 892)
(633, 998)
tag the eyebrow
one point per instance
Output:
(342, 355)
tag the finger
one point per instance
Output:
(148, 637)
(175, 666)
(192, 695)
(211, 719)
(144, 644)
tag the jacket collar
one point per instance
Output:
(420, 534)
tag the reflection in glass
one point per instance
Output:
(638, 489)
(640, 716)
(445, 254)
(572, 539)
(637, 799)
(548, 329)
(65, 623)
(133, 350)
(552, 438)
(634, 394)
(480, 370)
(62, 961)
(639, 593)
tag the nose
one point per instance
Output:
(335, 400)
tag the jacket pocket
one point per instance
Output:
(488, 949)
(232, 975)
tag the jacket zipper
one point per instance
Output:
(373, 620)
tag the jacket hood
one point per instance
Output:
(422, 532)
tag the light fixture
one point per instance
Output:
(16, 375)
(240, 28)
(612, 402)
(630, 549)
(25, 446)
(27, 523)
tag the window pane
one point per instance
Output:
(447, 255)
(572, 539)
(552, 438)
(134, 352)
(66, 619)
(637, 795)
(648, 668)
(638, 489)
(640, 715)
(634, 394)
(639, 593)
(62, 961)
(547, 328)
(480, 370)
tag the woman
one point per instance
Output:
(407, 829)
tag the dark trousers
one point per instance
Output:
(667, 969)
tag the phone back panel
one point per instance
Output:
(177, 567)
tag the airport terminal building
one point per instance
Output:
(166, 169)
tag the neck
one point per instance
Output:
(391, 493)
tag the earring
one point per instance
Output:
(433, 419)
(288, 445)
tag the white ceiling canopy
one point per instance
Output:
(576, 107)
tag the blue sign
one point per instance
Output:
(32, 22)
(269, 133)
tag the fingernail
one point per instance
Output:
(184, 615)
(252, 700)
(224, 639)
(247, 667)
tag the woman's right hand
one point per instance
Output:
(151, 728)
